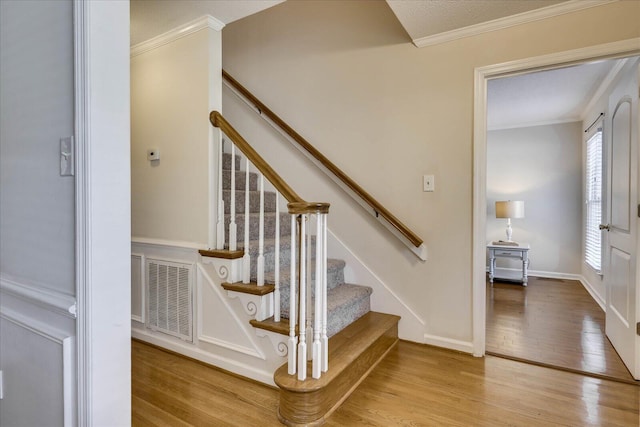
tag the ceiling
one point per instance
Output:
(428, 18)
(545, 97)
(542, 97)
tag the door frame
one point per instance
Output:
(102, 209)
(482, 75)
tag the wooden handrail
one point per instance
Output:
(297, 205)
(378, 209)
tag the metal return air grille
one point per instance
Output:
(169, 296)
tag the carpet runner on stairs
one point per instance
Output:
(346, 302)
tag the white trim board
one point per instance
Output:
(50, 299)
(172, 244)
(452, 344)
(206, 21)
(509, 21)
(620, 49)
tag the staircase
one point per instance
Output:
(359, 338)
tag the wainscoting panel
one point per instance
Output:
(221, 333)
(138, 289)
(38, 371)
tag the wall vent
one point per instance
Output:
(169, 298)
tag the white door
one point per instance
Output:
(622, 201)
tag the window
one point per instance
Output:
(593, 200)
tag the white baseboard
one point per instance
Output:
(451, 344)
(592, 291)
(539, 273)
(189, 350)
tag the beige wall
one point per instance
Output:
(172, 92)
(345, 75)
(541, 165)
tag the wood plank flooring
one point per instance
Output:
(415, 385)
(551, 322)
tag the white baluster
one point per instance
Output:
(276, 261)
(220, 223)
(317, 314)
(260, 266)
(325, 339)
(293, 341)
(246, 258)
(302, 345)
(309, 328)
(233, 228)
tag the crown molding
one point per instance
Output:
(509, 21)
(206, 21)
(535, 123)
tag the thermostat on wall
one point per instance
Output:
(153, 154)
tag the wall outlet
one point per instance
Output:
(428, 183)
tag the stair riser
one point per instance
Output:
(335, 277)
(240, 180)
(226, 161)
(254, 202)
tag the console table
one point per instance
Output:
(520, 252)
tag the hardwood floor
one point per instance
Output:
(551, 322)
(415, 385)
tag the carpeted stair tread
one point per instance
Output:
(345, 304)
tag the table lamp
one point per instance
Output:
(510, 209)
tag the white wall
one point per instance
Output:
(541, 165)
(173, 89)
(345, 75)
(37, 210)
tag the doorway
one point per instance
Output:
(483, 75)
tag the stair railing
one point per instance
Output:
(373, 206)
(307, 331)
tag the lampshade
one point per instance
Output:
(510, 209)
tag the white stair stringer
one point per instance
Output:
(228, 270)
(278, 341)
(209, 319)
(258, 306)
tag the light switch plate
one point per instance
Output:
(429, 183)
(1, 386)
(66, 156)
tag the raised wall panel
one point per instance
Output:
(137, 287)
(38, 373)
(620, 174)
(620, 285)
